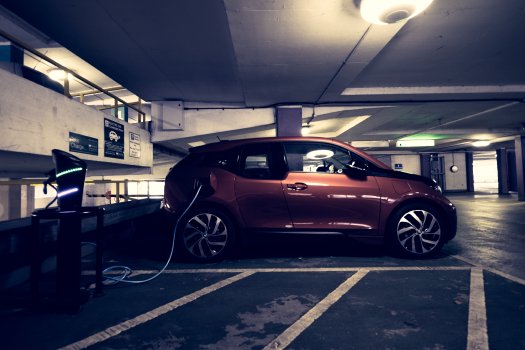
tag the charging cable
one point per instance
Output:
(126, 271)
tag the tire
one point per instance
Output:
(416, 231)
(206, 235)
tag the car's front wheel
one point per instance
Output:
(416, 231)
(206, 235)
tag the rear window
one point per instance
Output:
(224, 160)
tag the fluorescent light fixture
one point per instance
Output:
(391, 11)
(415, 143)
(363, 144)
(196, 143)
(66, 192)
(480, 143)
(319, 154)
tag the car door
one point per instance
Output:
(320, 196)
(258, 187)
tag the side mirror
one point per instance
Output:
(355, 172)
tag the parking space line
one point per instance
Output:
(292, 332)
(477, 338)
(490, 269)
(313, 269)
(150, 315)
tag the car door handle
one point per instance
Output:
(298, 186)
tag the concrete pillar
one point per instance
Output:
(4, 202)
(519, 145)
(15, 202)
(425, 165)
(289, 121)
(503, 171)
(469, 163)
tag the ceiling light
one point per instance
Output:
(59, 75)
(480, 143)
(196, 143)
(305, 130)
(391, 11)
(363, 144)
(319, 154)
(415, 143)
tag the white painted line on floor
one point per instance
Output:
(150, 315)
(306, 269)
(477, 338)
(283, 340)
(490, 269)
(317, 269)
(303, 269)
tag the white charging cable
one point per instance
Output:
(126, 271)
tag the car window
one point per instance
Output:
(257, 161)
(316, 157)
(224, 160)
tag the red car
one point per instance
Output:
(302, 185)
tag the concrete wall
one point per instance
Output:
(36, 120)
(411, 163)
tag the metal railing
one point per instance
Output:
(96, 88)
(18, 198)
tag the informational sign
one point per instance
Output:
(398, 166)
(113, 139)
(134, 145)
(83, 144)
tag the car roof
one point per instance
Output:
(227, 144)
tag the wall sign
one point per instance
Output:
(398, 166)
(83, 144)
(134, 145)
(113, 139)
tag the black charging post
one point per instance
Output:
(69, 174)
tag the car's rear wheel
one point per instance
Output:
(206, 235)
(416, 231)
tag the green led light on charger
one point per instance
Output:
(69, 171)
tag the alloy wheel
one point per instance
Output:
(418, 231)
(205, 235)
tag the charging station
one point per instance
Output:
(69, 175)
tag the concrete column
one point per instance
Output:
(289, 121)
(469, 163)
(27, 200)
(503, 171)
(14, 208)
(519, 145)
(4, 202)
(425, 165)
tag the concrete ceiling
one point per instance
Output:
(454, 73)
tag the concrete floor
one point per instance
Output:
(308, 294)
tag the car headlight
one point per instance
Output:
(436, 186)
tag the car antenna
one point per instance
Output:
(218, 137)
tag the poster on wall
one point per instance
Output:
(83, 144)
(134, 145)
(113, 139)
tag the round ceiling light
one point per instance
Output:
(391, 11)
(57, 75)
(319, 154)
(305, 130)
